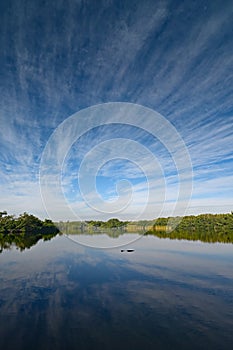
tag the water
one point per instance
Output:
(164, 295)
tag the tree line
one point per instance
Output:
(24, 231)
(25, 223)
(203, 227)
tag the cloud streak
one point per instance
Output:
(175, 58)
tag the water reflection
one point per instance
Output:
(21, 240)
(164, 295)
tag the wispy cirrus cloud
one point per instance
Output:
(175, 58)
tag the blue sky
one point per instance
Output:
(59, 57)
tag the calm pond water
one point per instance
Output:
(164, 295)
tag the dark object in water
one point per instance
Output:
(128, 250)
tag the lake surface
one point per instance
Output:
(164, 295)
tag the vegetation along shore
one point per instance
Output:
(26, 229)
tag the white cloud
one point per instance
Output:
(188, 78)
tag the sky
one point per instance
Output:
(167, 60)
